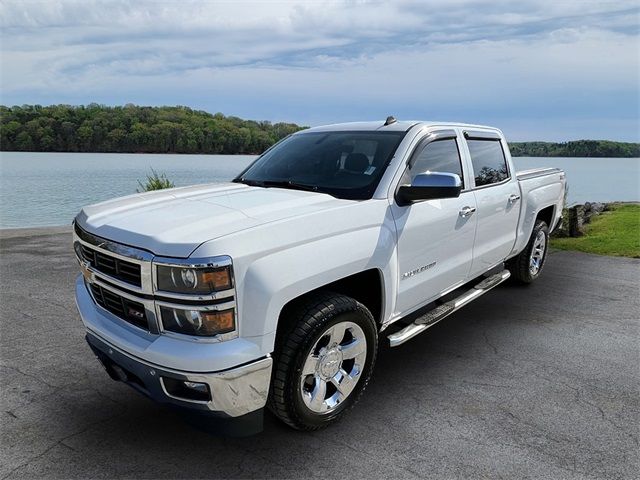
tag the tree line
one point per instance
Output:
(136, 129)
(133, 129)
(577, 148)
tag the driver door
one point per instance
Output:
(435, 237)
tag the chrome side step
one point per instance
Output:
(432, 317)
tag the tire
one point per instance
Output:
(528, 264)
(311, 353)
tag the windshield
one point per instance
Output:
(343, 164)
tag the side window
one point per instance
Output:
(489, 162)
(437, 156)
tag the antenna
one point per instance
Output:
(390, 119)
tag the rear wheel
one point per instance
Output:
(323, 362)
(527, 265)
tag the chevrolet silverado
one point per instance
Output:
(276, 289)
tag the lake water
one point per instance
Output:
(45, 189)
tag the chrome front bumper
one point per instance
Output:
(236, 373)
(232, 393)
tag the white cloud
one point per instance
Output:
(358, 56)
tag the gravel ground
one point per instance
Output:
(538, 382)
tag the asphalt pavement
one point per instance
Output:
(527, 382)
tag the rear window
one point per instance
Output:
(489, 162)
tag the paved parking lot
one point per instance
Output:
(539, 382)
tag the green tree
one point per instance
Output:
(578, 148)
(131, 128)
(24, 142)
(84, 138)
(8, 134)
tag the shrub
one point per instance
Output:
(155, 181)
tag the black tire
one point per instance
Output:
(306, 324)
(520, 266)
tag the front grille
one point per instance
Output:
(132, 312)
(128, 272)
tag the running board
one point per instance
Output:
(432, 317)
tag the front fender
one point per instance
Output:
(280, 261)
(273, 281)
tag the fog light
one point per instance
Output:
(184, 390)
(200, 387)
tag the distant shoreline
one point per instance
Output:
(181, 130)
(257, 154)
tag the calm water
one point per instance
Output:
(41, 189)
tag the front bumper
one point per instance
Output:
(231, 393)
(236, 374)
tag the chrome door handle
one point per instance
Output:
(467, 211)
(513, 199)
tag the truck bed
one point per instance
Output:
(538, 186)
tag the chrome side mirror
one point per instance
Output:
(430, 186)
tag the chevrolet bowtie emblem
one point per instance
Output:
(86, 273)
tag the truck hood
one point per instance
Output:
(176, 221)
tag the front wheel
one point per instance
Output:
(527, 265)
(323, 362)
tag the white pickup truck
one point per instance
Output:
(276, 289)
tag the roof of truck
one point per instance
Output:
(398, 125)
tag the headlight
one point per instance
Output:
(198, 322)
(193, 280)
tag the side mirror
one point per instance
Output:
(430, 186)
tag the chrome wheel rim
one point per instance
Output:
(537, 253)
(333, 367)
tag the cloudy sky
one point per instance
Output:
(540, 70)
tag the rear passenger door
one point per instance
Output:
(497, 196)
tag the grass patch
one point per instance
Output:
(155, 181)
(615, 232)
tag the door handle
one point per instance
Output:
(467, 211)
(513, 199)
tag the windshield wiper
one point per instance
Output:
(278, 184)
(251, 183)
(290, 184)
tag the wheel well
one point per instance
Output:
(546, 214)
(366, 287)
